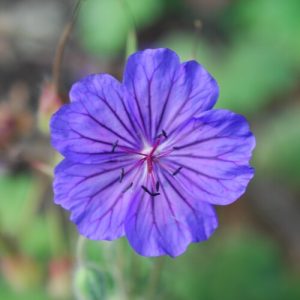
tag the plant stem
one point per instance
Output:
(119, 271)
(198, 27)
(60, 49)
(154, 279)
(80, 256)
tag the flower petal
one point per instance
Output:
(167, 223)
(211, 156)
(96, 124)
(165, 92)
(97, 195)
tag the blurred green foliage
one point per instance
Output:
(16, 193)
(256, 61)
(104, 25)
(279, 146)
(245, 266)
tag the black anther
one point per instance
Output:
(150, 193)
(114, 146)
(177, 171)
(122, 174)
(127, 188)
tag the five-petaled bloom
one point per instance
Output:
(149, 157)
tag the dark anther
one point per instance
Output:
(127, 188)
(176, 148)
(157, 186)
(114, 146)
(150, 193)
(177, 171)
(122, 174)
(164, 134)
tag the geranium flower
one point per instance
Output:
(148, 158)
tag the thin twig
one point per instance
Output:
(198, 27)
(60, 49)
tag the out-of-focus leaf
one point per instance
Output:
(250, 76)
(22, 274)
(240, 267)
(17, 194)
(36, 241)
(89, 283)
(279, 146)
(183, 43)
(104, 25)
(131, 43)
(7, 294)
(277, 23)
(146, 11)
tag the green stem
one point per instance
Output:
(80, 247)
(119, 270)
(198, 27)
(131, 42)
(155, 278)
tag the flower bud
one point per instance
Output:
(59, 280)
(49, 102)
(89, 283)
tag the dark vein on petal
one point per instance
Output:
(166, 102)
(180, 195)
(89, 138)
(150, 106)
(138, 138)
(202, 141)
(85, 178)
(190, 180)
(138, 105)
(117, 116)
(104, 126)
(178, 110)
(170, 205)
(196, 171)
(205, 157)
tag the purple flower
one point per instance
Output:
(148, 157)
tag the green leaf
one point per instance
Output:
(131, 43)
(277, 23)
(278, 146)
(104, 24)
(17, 194)
(36, 242)
(242, 266)
(250, 76)
(183, 43)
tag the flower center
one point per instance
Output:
(149, 155)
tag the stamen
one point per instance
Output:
(157, 186)
(127, 188)
(176, 148)
(176, 171)
(164, 134)
(150, 193)
(122, 174)
(114, 146)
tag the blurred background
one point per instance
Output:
(252, 48)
